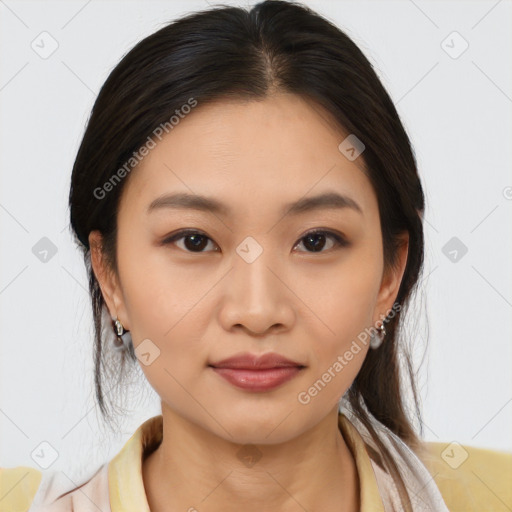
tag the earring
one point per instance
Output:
(123, 337)
(377, 339)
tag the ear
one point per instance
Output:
(391, 281)
(107, 279)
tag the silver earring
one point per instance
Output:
(377, 339)
(123, 338)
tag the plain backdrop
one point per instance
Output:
(447, 66)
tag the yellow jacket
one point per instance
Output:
(482, 482)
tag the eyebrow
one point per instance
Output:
(331, 200)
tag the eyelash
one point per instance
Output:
(340, 241)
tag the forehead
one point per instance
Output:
(249, 154)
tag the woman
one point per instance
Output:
(250, 213)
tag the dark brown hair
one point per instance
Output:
(230, 52)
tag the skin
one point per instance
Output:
(199, 307)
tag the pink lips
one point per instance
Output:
(257, 373)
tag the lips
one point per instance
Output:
(247, 361)
(257, 373)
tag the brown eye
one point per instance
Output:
(193, 241)
(316, 241)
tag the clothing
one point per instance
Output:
(482, 483)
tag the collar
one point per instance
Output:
(126, 486)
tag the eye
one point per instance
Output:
(316, 240)
(194, 241)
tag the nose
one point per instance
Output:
(256, 296)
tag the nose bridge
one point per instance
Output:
(252, 272)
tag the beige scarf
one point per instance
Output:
(421, 487)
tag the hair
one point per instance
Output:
(226, 53)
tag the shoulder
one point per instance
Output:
(18, 486)
(52, 491)
(470, 478)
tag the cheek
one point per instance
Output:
(155, 291)
(162, 304)
(346, 294)
(171, 306)
(344, 305)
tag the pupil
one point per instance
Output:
(198, 242)
(317, 246)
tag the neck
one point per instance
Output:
(193, 468)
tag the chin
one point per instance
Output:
(246, 430)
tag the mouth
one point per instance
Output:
(257, 372)
(258, 380)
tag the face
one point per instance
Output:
(249, 277)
